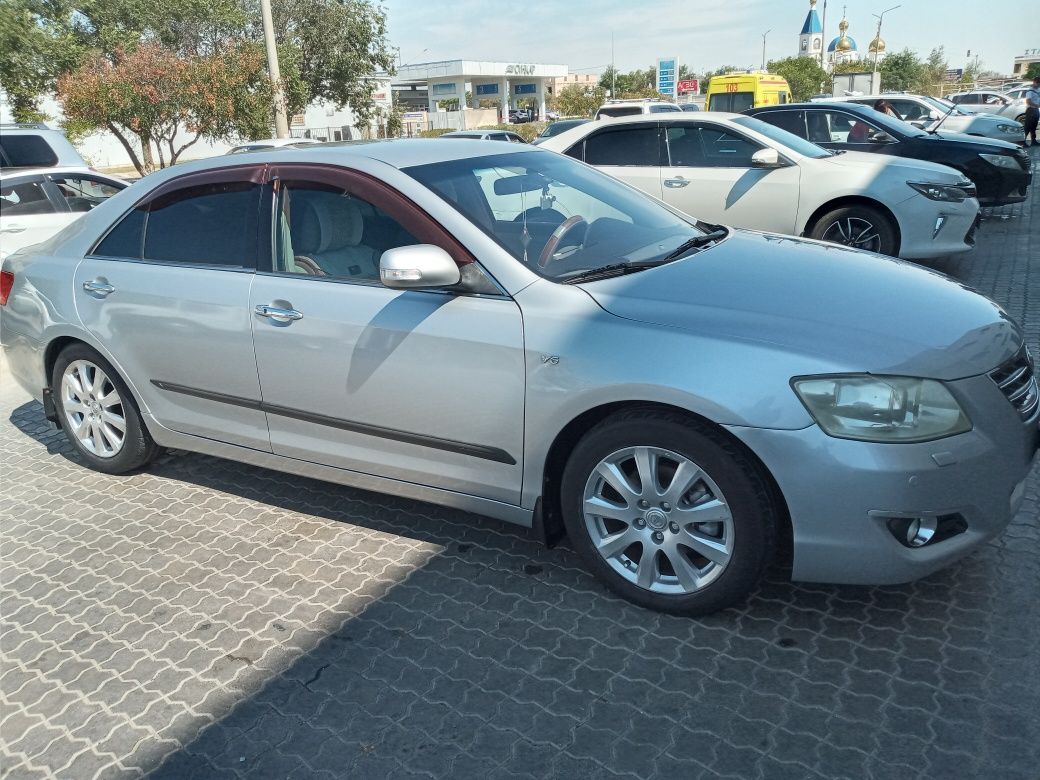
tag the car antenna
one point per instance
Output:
(950, 110)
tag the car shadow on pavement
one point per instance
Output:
(362, 635)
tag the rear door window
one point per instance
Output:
(734, 102)
(24, 198)
(791, 121)
(212, 224)
(640, 145)
(26, 151)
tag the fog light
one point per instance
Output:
(939, 222)
(921, 530)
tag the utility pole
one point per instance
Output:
(823, 33)
(764, 47)
(880, 19)
(613, 70)
(281, 123)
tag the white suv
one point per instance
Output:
(36, 146)
(737, 170)
(616, 108)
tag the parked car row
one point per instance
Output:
(503, 329)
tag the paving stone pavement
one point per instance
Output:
(208, 619)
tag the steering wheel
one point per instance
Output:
(310, 266)
(557, 237)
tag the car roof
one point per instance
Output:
(9, 173)
(674, 116)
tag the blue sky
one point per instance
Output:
(705, 34)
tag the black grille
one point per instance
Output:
(1016, 380)
(1024, 160)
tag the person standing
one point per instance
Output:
(1032, 110)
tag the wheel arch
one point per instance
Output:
(548, 520)
(854, 200)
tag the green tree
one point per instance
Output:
(578, 100)
(933, 72)
(901, 71)
(803, 74)
(1032, 71)
(158, 103)
(855, 66)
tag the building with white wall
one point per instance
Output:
(504, 83)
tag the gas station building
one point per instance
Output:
(505, 83)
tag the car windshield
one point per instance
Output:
(942, 105)
(559, 127)
(557, 216)
(782, 137)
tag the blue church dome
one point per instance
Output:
(833, 45)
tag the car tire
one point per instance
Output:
(643, 551)
(845, 225)
(92, 401)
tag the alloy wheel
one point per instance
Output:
(659, 520)
(856, 232)
(93, 409)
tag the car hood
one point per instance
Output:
(897, 166)
(987, 145)
(849, 310)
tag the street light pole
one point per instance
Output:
(764, 47)
(880, 19)
(281, 123)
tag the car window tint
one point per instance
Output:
(910, 110)
(685, 147)
(640, 145)
(322, 230)
(24, 199)
(734, 102)
(211, 224)
(725, 149)
(791, 121)
(126, 239)
(662, 108)
(27, 151)
(83, 193)
(621, 111)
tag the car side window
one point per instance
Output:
(82, 193)
(24, 198)
(630, 146)
(838, 127)
(685, 148)
(910, 110)
(324, 230)
(726, 149)
(26, 151)
(212, 224)
(791, 121)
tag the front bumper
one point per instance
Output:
(843, 496)
(931, 228)
(1001, 186)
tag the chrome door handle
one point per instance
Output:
(99, 288)
(276, 314)
(677, 182)
(12, 229)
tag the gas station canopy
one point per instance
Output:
(502, 82)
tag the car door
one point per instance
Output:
(28, 213)
(425, 386)
(711, 177)
(166, 291)
(833, 128)
(633, 153)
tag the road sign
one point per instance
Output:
(954, 74)
(689, 85)
(667, 75)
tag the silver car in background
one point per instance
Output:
(508, 331)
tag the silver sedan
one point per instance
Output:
(508, 331)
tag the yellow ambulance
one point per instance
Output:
(738, 92)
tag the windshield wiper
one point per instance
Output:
(696, 241)
(607, 271)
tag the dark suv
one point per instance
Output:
(1001, 171)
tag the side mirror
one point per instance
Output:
(766, 158)
(881, 137)
(420, 266)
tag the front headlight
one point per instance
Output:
(881, 408)
(1000, 160)
(948, 192)
(1015, 128)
